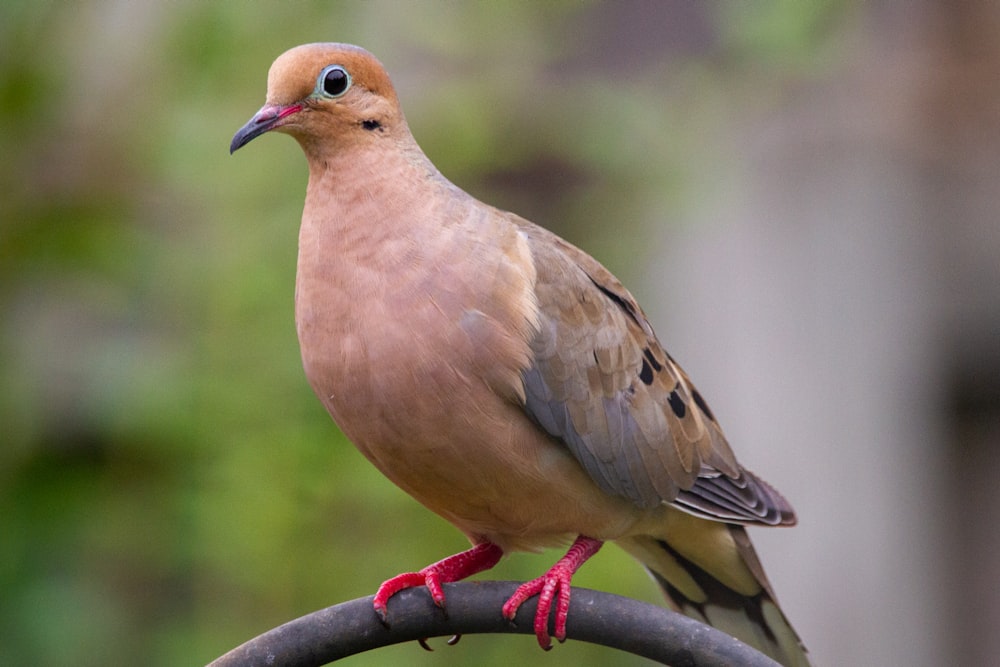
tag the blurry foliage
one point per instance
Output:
(169, 487)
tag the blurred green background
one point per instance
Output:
(169, 486)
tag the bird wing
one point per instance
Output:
(601, 383)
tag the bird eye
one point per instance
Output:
(333, 81)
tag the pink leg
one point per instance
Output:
(481, 557)
(554, 582)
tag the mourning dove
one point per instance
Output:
(501, 376)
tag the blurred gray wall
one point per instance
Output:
(841, 304)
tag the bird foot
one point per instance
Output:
(403, 581)
(481, 557)
(553, 584)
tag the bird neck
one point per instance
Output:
(373, 192)
(375, 220)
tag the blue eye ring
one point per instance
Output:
(333, 81)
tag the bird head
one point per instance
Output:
(326, 96)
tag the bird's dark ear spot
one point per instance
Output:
(371, 124)
(333, 81)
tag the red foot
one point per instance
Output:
(481, 557)
(554, 582)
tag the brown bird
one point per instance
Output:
(501, 376)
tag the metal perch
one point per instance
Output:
(474, 607)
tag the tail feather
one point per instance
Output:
(721, 583)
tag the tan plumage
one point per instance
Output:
(498, 374)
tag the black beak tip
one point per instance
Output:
(255, 127)
(242, 137)
(269, 117)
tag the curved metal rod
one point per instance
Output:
(474, 607)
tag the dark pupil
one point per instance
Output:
(335, 82)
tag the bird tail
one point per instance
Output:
(718, 580)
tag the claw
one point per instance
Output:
(481, 557)
(553, 584)
(392, 586)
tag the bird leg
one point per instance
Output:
(481, 557)
(554, 582)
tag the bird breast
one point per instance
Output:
(400, 322)
(415, 318)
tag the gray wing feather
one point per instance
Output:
(601, 383)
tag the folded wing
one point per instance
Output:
(601, 383)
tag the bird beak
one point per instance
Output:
(268, 118)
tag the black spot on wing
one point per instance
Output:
(650, 366)
(702, 405)
(646, 373)
(677, 404)
(657, 366)
(618, 301)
